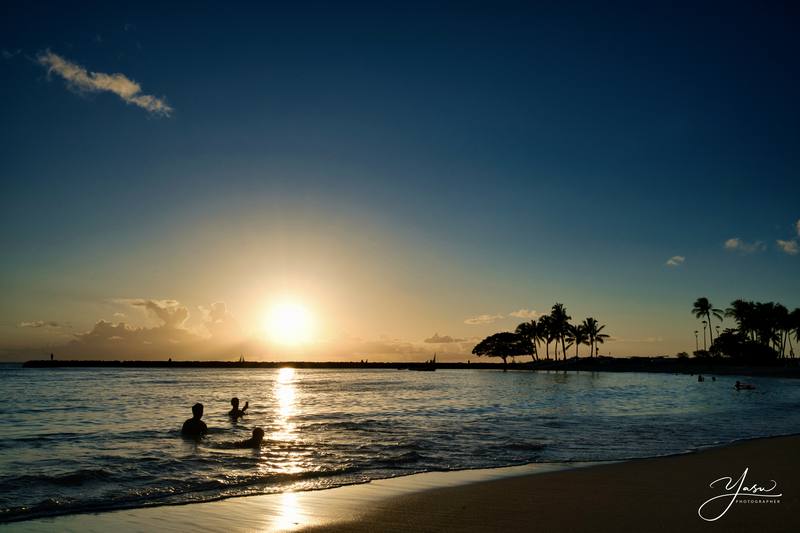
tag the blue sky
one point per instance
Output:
(398, 170)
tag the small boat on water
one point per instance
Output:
(427, 366)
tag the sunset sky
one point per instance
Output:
(409, 180)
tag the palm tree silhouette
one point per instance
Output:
(593, 331)
(704, 309)
(560, 325)
(545, 333)
(576, 334)
(530, 330)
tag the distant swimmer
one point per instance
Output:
(743, 386)
(235, 412)
(194, 427)
(700, 378)
(252, 442)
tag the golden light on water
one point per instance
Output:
(285, 431)
(289, 323)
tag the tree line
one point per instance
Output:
(554, 328)
(764, 330)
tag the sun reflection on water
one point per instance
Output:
(285, 433)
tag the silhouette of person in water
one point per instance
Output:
(194, 427)
(235, 413)
(252, 442)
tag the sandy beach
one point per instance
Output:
(659, 494)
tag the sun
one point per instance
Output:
(289, 323)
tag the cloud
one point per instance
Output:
(675, 261)
(170, 312)
(482, 319)
(219, 322)
(40, 324)
(446, 339)
(789, 247)
(81, 80)
(529, 314)
(736, 244)
(9, 54)
(797, 227)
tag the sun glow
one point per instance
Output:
(289, 323)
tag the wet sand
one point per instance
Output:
(660, 494)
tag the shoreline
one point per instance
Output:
(392, 502)
(663, 365)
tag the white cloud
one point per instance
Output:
(789, 247)
(442, 339)
(40, 324)
(676, 260)
(736, 244)
(81, 80)
(529, 314)
(483, 319)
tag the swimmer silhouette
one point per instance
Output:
(235, 412)
(252, 442)
(194, 427)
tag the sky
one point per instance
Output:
(411, 177)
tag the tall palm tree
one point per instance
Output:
(743, 312)
(599, 339)
(576, 334)
(704, 309)
(593, 331)
(530, 330)
(560, 324)
(544, 334)
(794, 322)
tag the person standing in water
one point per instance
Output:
(194, 427)
(235, 413)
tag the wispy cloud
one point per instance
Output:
(789, 247)
(9, 54)
(81, 80)
(482, 319)
(442, 339)
(529, 314)
(736, 244)
(40, 324)
(797, 227)
(676, 261)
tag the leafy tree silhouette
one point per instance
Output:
(504, 345)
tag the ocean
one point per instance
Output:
(91, 439)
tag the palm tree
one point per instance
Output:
(743, 313)
(560, 324)
(599, 339)
(576, 334)
(530, 330)
(703, 308)
(794, 323)
(593, 331)
(544, 334)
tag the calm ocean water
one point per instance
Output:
(74, 440)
